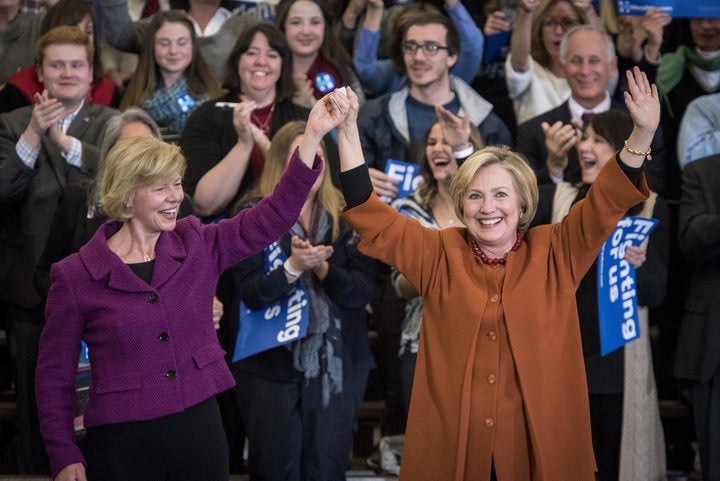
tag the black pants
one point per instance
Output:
(187, 446)
(23, 327)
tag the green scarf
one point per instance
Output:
(672, 66)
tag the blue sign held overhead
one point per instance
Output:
(675, 8)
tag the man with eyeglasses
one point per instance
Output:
(548, 140)
(395, 125)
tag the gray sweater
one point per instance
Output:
(17, 44)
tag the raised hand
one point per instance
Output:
(642, 101)
(528, 6)
(496, 23)
(456, 130)
(326, 114)
(329, 112)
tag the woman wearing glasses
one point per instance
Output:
(533, 70)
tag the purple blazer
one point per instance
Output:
(153, 347)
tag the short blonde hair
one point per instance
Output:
(134, 163)
(523, 177)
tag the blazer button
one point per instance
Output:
(153, 298)
(164, 336)
(171, 374)
(489, 422)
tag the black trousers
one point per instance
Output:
(186, 446)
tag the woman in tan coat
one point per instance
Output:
(499, 390)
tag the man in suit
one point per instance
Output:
(697, 355)
(548, 140)
(43, 148)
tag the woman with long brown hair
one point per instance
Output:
(172, 78)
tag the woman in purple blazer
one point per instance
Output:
(140, 295)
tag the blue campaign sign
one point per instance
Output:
(278, 324)
(408, 174)
(617, 295)
(676, 8)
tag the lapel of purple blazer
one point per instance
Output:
(101, 263)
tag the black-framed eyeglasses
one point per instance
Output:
(427, 48)
(566, 23)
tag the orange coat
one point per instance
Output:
(538, 298)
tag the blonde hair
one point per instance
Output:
(521, 173)
(276, 159)
(134, 163)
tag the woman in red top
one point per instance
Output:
(320, 62)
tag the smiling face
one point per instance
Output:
(259, 67)
(558, 19)
(427, 70)
(305, 28)
(66, 73)
(491, 210)
(705, 33)
(594, 151)
(173, 50)
(155, 207)
(587, 67)
(440, 158)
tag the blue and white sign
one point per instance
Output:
(617, 292)
(278, 324)
(676, 8)
(408, 174)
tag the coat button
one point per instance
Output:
(164, 336)
(153, 298)
(491, 379)
(492, 335)
(494, 298)
(489, 422)
(171, 374)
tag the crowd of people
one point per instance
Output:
(440, 172)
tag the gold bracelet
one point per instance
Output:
(645, 154)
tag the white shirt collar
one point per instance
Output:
(215, 23)
(577, 110)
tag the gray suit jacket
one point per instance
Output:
(29, 197)
(698, 350)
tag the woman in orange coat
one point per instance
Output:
(499, 390)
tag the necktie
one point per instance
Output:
(586, 116)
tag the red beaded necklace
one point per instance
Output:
(491, 261)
